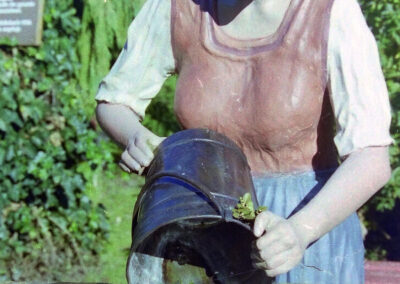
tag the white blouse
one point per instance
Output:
(357, 87)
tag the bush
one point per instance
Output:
(384, 19)
(103, 34)
(48, 155)
(383, 238)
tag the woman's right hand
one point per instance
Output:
(124, 127)
(139, 151)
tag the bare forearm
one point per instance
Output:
(118, 121)
(359, 177)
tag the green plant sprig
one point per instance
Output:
(244, 210)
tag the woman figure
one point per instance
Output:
(274, 76)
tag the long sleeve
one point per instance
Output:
(358, 90)
(144, 63)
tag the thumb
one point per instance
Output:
(262, 222)
(154, 140)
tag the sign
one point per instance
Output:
(22, 20)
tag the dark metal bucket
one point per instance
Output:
(184, 211)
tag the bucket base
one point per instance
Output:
(143, 268)
(200, 251)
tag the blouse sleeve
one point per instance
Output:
(144, 63)
(357, 87)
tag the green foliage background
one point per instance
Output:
(384, 19)
(381, 213)
(48, 155)
(50, 148)
(102, 35)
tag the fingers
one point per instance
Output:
(286, 265)
(153, 139)
(128, 163)
(277, 261)
(257, 260)
(264, 221)
(124, 167)
(265, 256)
(156, 140)
(276, 248)
(266, 240)
(275, 241)
(144, 151)
(279, 249)
(273, 264)
(138, 154)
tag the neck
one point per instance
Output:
(225, 11)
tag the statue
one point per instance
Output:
(297, 84)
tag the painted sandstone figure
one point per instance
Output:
(297, 84)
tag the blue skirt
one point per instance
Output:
(337, 257)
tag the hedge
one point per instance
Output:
(383, 239)
(49, 152)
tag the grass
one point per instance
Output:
(118, 195)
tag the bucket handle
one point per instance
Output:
(200, 187)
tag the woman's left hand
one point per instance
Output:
(281, 247)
